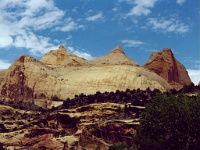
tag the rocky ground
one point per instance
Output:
(87, 127)
(84, 122)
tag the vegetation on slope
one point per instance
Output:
(22, 105)
(171, 119)
(170, 122)
(135, 97)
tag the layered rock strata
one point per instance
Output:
(28, 78)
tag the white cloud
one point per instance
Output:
(70, 25)
(80, 54)
(34, 43)
(84, 55)
(127, 1)
(45, 21)
(168, 25)
(5, 41)
(197, 64)
(152, 50)
(141, 7)
(194, 76)
(4, 64)
(180, 2)
(95, 17)
(21, 26)
(132, 43)
(115, 9)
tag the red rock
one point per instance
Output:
(167, 66)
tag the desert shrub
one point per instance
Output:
(97, 148)
(22, 105)
(1, 146)
(136, 97)
(121, 146)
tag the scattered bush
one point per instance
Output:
(22, 105)
(121, 146)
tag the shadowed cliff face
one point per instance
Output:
(14, 84)
(167, 66)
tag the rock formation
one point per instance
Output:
(115, 57)
(28, 78)
(83, 122)
(2, 73)
(167, 66)
(61, 57)
(21, 77)
(83, 127)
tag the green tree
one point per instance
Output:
(169, 123)
(121, 146)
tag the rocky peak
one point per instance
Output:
(118, 49)
(62, 48)
(167, 66)
(28, 78)
(61, 57)
(115, 57)
(167, 52)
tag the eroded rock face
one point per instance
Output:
(28, 78)
(167, 66)
(115, 57)
(2, 73)
(88, 126)
(14, 84)
(61, 57)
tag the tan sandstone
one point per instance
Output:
(28, 78)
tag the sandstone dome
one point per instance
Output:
(28, 78)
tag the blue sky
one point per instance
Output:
(92, 28)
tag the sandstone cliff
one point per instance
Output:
(21, 77)
(2, 73)
(167, 66)
(28, 78)
(61, 57)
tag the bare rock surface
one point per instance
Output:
(60, 75)
(86, 127)
(115, 57)
(2, 73)
(28, 78)
(61, 57)
(167, 66)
